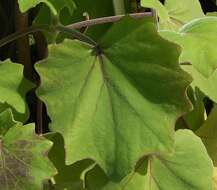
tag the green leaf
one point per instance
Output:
(23, 164)
(68, 177)
(198, 40)
(158, 6)
(6, 121)
(59, 5)
(96, 179)
(13, 89)
(189, 167)
(45, 16)
(25, 5)
(196, 117)
(54, 5)
(208, 133)
(90, 94)
(175, 13)
(206, 85)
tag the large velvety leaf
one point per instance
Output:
(198, 40)
(90, 94)
(189, 167)
(68, 177)
(208, 133)
(13, 89)
(175, 13)
(23, 161)
(206, 85)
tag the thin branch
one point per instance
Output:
(76, 34)
(104, 20)
(71, 28)
(20, 34)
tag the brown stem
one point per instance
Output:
(105, 20)
(78, 25)
(23, 48)
(39, 115)
(41, 44)
(184, 123)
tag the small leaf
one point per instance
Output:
(206, 85)
(90, 94)
(23, 163)
(25, 5)
(208, 134)
(175, 13)
(6, 121)
(54, 5)
(46, 17)
(196, 117)
(13, 89)
(158, 6)
(198, 40)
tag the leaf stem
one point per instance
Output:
(76, 34)
(22, 33)
(110, 19)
